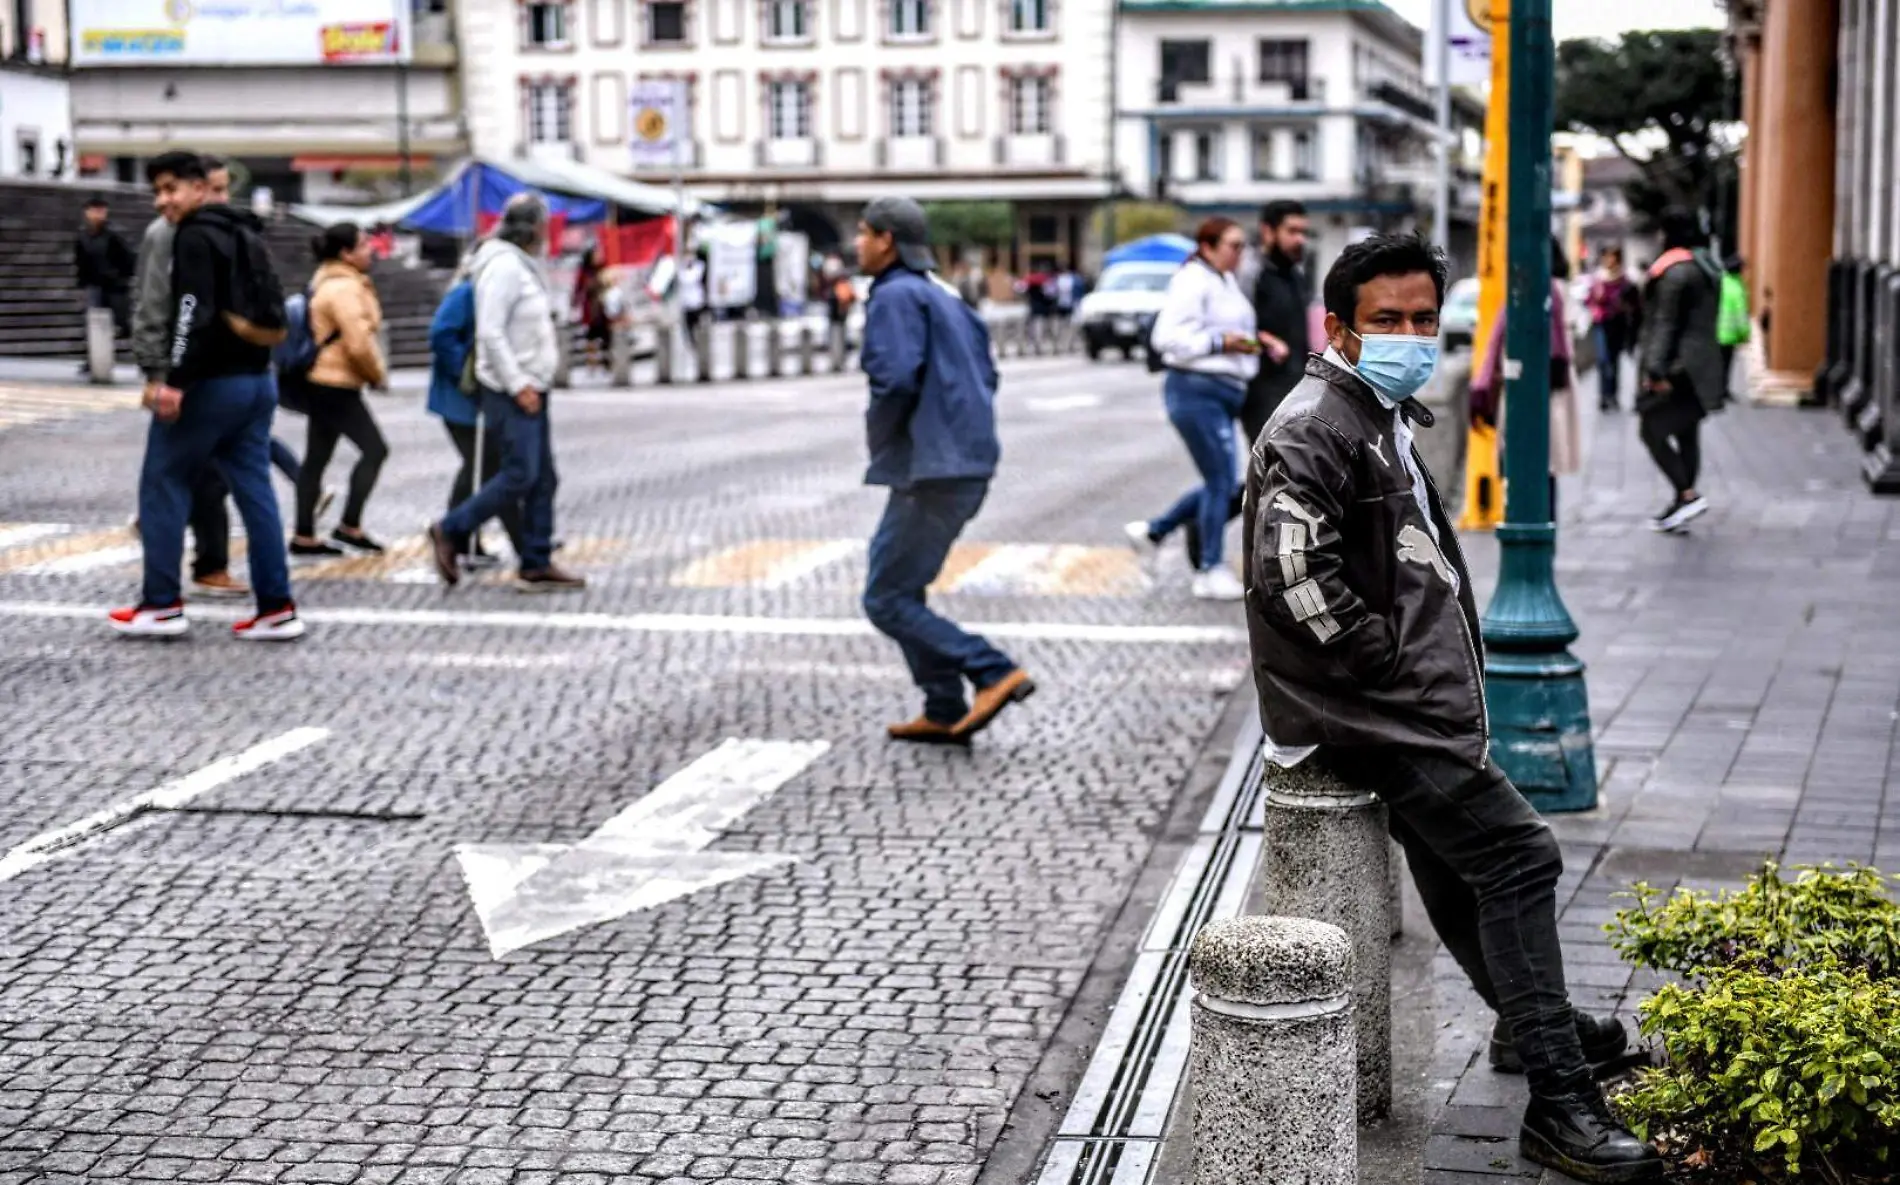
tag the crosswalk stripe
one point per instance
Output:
(86, 561)
(32, 557)
(20, 534)
(963, 558)
(762, 563)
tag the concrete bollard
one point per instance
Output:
(99, 336)
(703, 349)
(1395, 869)
(1273, 1033)
(805, 336)
(775, 349)
(620, 356)
(742, 350)
(1328, 857)
(563, 354)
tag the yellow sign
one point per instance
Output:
(1484, 513)
(1480, 13)
(650, 124)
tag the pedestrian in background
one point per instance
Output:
(931, 429)
(345, 317)
(1734, 324)
(1681, 363)
(214, 407)
(516, 353)
(105, 266)
(1566, 426)
(1615, 314)
(1281, 295)
(1210, 346)
(451, 348)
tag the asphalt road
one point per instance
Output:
(243, 888)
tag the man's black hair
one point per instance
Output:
(185, 166)
(213, 162)
(1279, 211)
(97, 202)
(1681, 227)
(1381, 255)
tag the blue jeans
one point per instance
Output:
(1202, 410)
(908, 551)
(527, 479)
(224, 422)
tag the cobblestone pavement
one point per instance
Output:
(1744, 688)
(278, 975)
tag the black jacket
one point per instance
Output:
(1360, 636)
(1279, 307)
(103, 260)
(203, 346)
(1678, 342)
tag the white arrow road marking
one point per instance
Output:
(651, 853)
(51, 845)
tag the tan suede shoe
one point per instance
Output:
(1012, 688)
(925, 731)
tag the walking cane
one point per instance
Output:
(475, 468)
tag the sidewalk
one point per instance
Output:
(1744, 681)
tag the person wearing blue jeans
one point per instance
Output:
(1206, 336)
(908, 550)
(527, 480)
(1203, 409)
(931, 430)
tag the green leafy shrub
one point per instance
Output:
(1770, 923)
(1798, 1072)
(1783, 1044)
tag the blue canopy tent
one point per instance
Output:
(478, 189)
(1153, 249)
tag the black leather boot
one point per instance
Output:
(1604, 1041)
(1577, 1134)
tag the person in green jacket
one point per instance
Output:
(1734, 325)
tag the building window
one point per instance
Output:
(1030, 98)
(910, 19)
(1207, 156)
(1183, 62)
(1029, 16)
(1285, 62)
(788, 110)
(788, 21)
(911, 107)
(545, 26)
(550, 112)
(666, 22)
(1263, 155)
(1305, 157)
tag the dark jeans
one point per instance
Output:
(1262, 402)
(119, 300)
(525, 485)
(1202, 410)
(913, 540)
(335, 413)
(464, 437)
(224, 422)
(211, 523)
(1487, 867)
(1672, 430)
(1612, 343)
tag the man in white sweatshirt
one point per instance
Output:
(516, 352)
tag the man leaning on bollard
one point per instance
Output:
(931, 428)
(1367, 656)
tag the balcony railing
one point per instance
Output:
(1240, 89)
(1043, 150)
(806, 153)
(910, 153)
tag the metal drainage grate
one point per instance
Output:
(1112, 1132)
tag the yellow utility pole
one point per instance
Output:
(1484, 493)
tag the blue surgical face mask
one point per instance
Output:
(1396, 365)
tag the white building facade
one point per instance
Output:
(1226, 105)
(36, 123)
(817, 106)
(317, 98)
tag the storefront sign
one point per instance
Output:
(239, 32)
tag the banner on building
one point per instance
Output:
(239, 32)
(658, 123)
(732, 263)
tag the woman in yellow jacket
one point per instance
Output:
(344, 319)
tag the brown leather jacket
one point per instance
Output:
(1363, 627)
(343, 305)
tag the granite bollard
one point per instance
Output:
(99, 331)
(1328, 857)
(620, 355)
(742, 350)
(563, 354)
(805, 336)
(1273, 1033)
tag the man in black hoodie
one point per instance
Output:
(214, 407)
(104, 264)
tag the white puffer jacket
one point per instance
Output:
(1202, 306)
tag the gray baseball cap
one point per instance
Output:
(904, 220)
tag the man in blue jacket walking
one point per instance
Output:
(931, 426)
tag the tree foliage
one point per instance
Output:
(1138, 220)
(1668, 100)
(959, 225)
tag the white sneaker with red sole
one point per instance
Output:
(150, 621)
(281, 626)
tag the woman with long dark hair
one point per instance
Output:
(1210, 345)
(344, 319)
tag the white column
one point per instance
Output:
(1847, 130)
(1879, 129)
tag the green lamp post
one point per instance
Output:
(1540, 712)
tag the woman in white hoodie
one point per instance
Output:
(1207, 339)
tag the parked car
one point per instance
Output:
(1459, 320)
(1121, 309)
